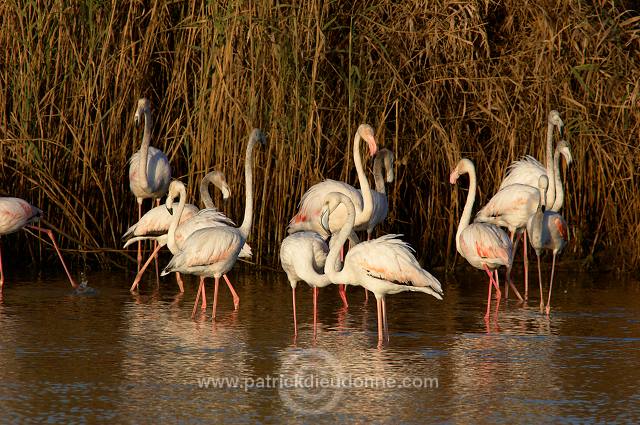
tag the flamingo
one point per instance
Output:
(16, 214)
(485, 246)
(312, 201)
(547, 230)
(155, 223)
(385, 265)
(212, 251)
(303, 256)
(149, 169)
(379, 196)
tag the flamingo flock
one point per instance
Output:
(207, 244)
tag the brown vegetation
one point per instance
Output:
(436, 79)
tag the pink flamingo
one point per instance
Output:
(547, 230)
(213, 251)
(303, 256)
(16, 214)
(312, 201)
(149, 169)
(485, 246)
(385, 265)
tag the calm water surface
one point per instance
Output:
(114, 357)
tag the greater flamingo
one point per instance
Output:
(379, 196)
(313, 199)
(16, 214)
(149, 169)
(303, 256)
(485, 246)
(547, 230)
(385, 265)
(212, 251)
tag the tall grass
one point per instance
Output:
(437, 80)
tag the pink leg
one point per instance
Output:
(236, 298)
(179, 281)
(380, 325)
(155, 245)
(55, 245)
(498, 294)
(204, 294)
(195, 304)
(540, 282)
(215, 298)
(553, 266)
(139, 242)
(384, 318)
(342, 290)
(141, 270)
(295, 321)
(526, 267)
(315, 310)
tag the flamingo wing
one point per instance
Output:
(157, 221)
(487, 243)
(15, 213)
(525, 171)
(211, 245)
(511, 206)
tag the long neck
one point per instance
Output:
(468, 206)
(248, 176)
(551, 192)
(558, 202)
(367, 207)
(377, 173)
(333, 258)
(144, 149)
(205, 196)
(175, 221)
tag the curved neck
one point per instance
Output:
(367, 198)
(383, 157)
(551, 191)
(144, 149)
(245, 227)
(558, 200)
(468, 206)
(332, 264)
(175, 221)
(205, 196)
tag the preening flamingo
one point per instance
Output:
(385, 265)
(149, 169)
(379, 196)
(212, 251)
(312, 201)
(303, 256)
(528, 170)
(16, 214)
(485, 246)
(547, 230)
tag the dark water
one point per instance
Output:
(121, 358)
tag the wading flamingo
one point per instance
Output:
(149, 169)
(212, 251)
(547, 230)
(485, 246)
(302, 256)
(379, 196)
(385, 265)
(16, 214)
(312, 201)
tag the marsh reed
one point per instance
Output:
(437, 80)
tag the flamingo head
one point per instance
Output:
(218, 179)
(331, 202)
(258, 136)
(565, 149)
(463, 167)
(175, 188)
(388, 164)
(143, 106)
(366, 132)
(555, 120)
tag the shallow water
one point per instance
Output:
(115, 357)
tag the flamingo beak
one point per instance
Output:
(225, 191)
(170, 209)
(324, 220)
(453, 178)
(136, 119)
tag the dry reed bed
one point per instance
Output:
(437, 80)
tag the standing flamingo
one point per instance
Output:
(313, 199)
(379, 196)
(212, 251)
(485, 246)
(16, 214)
(385, 265)
(547, 230)
(303, 256)
(149, 169)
